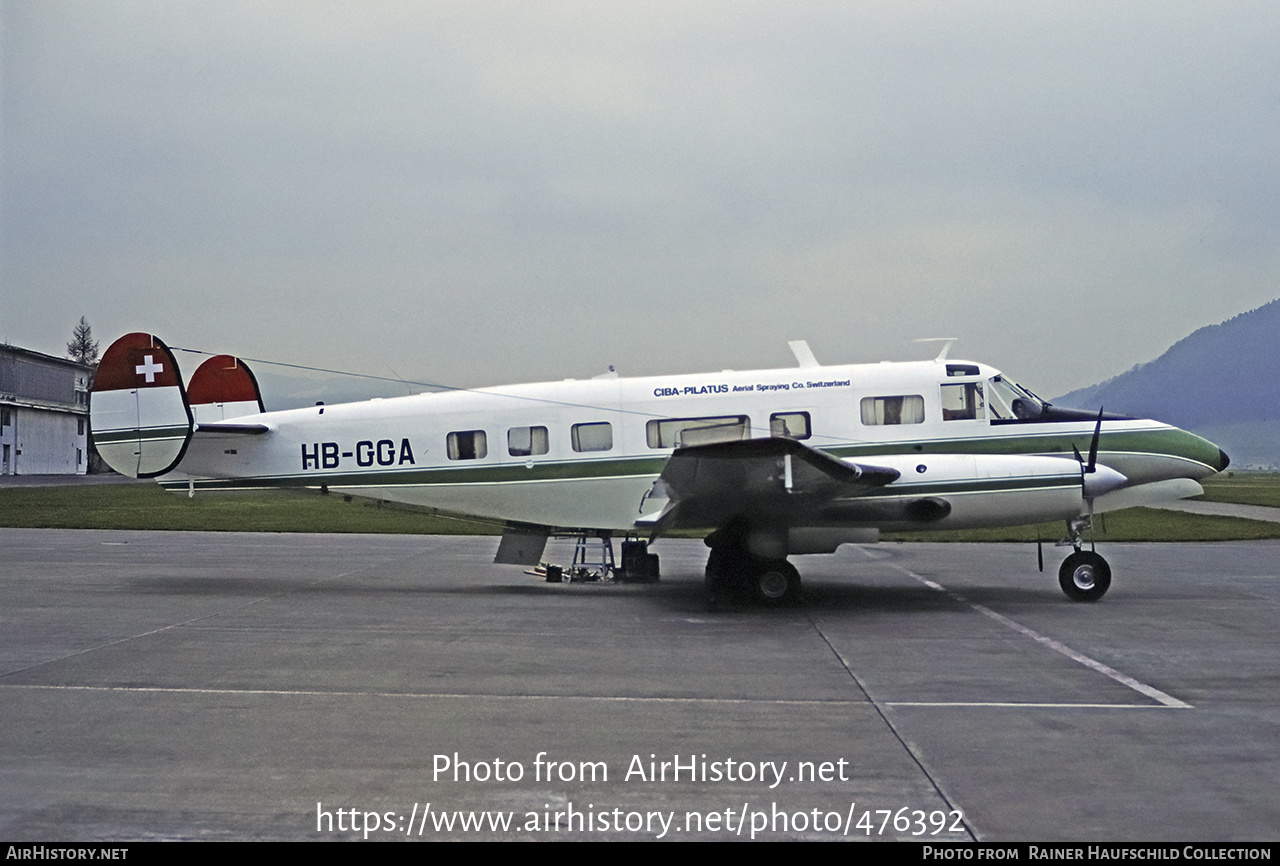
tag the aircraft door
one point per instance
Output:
(963, 401)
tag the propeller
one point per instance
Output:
(1095, 481)
(1092, 465)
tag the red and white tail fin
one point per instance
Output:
(139, 414)
(223, 388)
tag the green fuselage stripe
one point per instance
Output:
(1168, 441)
(1164, 442)
(450, 476)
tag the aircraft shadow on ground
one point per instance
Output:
(677, 594)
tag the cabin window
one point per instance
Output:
(963, 402)
(681, 432)
(789, 425)
(468, 445)
(527, 441)
(592, 437)
(906, 409)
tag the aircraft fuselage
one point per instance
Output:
(585, 454)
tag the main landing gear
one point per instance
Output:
(733, 572)
(1084, 575)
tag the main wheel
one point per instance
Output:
(1084, 576)
(776, 582)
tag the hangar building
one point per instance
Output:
(44, 414)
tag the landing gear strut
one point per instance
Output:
(1084, 575)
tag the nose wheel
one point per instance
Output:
(1084, 576)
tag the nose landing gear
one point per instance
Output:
(1084, 575)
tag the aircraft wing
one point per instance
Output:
(771, 481)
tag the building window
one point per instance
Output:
(907, 409)
(592, 437)
(527, 441)
(79, 426)
(468, 445)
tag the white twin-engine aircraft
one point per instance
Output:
(773, 462)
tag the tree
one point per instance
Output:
(83, 347)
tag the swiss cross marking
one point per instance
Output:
(149, 368)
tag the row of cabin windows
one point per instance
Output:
(529, 441)
(962, 401)
(959, 402)
(598, 436)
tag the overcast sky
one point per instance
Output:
(483, 192)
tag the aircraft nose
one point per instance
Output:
(1223, 460)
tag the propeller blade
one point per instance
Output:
(1093, 445)
(1095, 481)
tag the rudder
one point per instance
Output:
(221, 388)
(138, 412)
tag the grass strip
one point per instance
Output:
(1243, 488)
(146, 506)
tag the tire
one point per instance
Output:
(776, 583)
(732, 575)
(1084, 576)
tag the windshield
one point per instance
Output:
(1009, 401)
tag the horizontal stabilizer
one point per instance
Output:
(138, 412)
(232, 427)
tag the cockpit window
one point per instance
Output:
(1011, 402)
